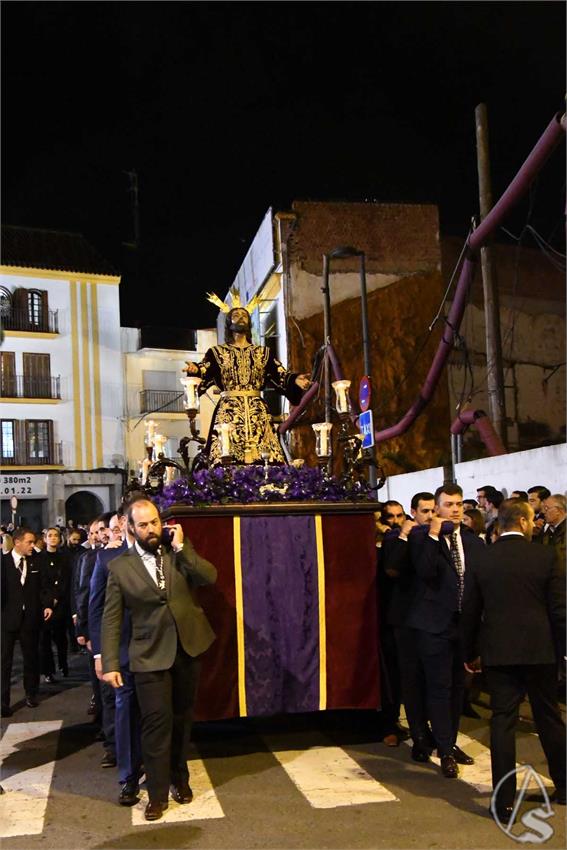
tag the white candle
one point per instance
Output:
(322, 438)
(150, 431)
(341, 390)
(226, 430)
(145, 469)
(191, 400)
(159, 443)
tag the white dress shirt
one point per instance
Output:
(17, 558)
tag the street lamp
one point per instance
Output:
(341, 253)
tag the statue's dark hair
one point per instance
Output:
(229, 333)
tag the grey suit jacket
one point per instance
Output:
(159, 618)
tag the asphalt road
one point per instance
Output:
(304, 781)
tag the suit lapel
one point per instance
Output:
(139, 568)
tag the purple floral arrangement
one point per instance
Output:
(244, 484)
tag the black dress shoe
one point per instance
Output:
(6, 711)
(503, 814)
(181, 792)
(154, 810)
(449, 767)
(129, 794)
(461, 757)
(50, 679)
(32, 702)
(108, 760)
(558, 796)
(420, 753)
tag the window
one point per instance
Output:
(37, 376)
(8, 374)
(7, 441)
(38, 439)
(35, 307)
(5, 302)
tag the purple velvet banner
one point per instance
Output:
(281, 613)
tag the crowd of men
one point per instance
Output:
(463, 599)
(127, 590)
(469, 590)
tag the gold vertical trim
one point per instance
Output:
(239, 617)
(322, 614)
(96, 376)
(76, 376)
(87, 407)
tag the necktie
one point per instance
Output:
(22, 569)
(457, 564)
(160, 575)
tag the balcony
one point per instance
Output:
(161, 401)
(23, 455)
(24, 387)
(19, 319)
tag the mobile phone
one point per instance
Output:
(166, 535)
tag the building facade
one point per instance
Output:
(152, 375)
(61, 436)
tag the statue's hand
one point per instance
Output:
(190, 368)
(303, 382)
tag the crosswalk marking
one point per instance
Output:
(205, 804)
(479, 774)
(23, 806)
(328, 777)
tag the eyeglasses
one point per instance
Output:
(546, 508)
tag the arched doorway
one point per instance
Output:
(82, 507)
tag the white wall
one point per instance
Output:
(517, 471)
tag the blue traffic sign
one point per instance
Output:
(365, 393)
(366, 427)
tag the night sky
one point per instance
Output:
(225, 109)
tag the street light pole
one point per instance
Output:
(342, 253)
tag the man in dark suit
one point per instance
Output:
(444, 564)
(126, 717)
(26, 603)
(399, 550)
(517, 604)
(169, 633)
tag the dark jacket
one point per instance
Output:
(58, 577)
(159, 618)
(85, 569)
(436, 593)
(517, 603)
(23, 605)
(397, 577)
(97, 598)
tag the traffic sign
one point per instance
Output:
(366, 427)
(365, 393)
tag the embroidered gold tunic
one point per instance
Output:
(241, 374)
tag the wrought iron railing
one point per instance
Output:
(19, 319)
(162, 401)
(22, 455)
(24, 386)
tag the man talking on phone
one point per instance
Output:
(155, 581)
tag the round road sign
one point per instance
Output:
(365, 393)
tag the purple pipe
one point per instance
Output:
(313, 390)
(485, 429)
(306, 399)
(518, 187)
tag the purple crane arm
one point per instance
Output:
(517, 188)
